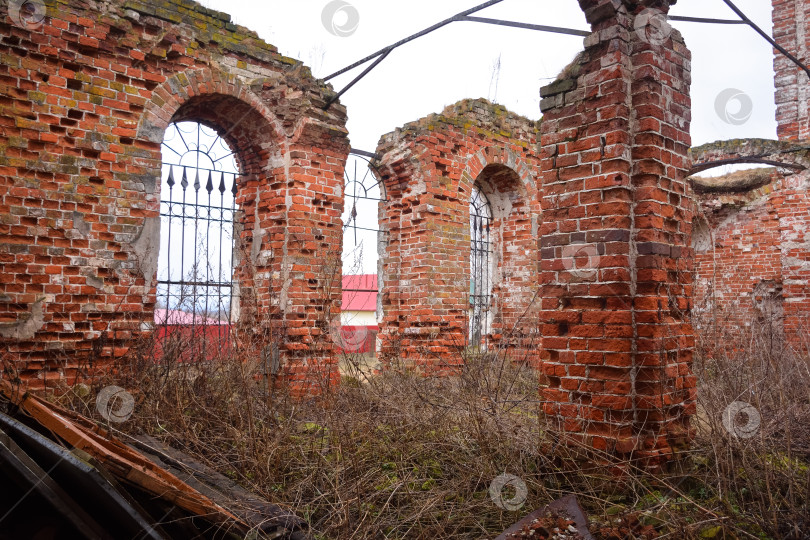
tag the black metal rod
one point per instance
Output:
(196, 168)
(169, 249)
(703, 20)
(410, 38)
(767, 37)
(207, 257)
(527, 26)
(191, 206)
(358, 227)
(184, 185)
(364, 153)
(196, 283)
(222, 220)
(356, 79)
(354, 207)
(234, 239)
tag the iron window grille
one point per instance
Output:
(198, 214)
(480, 274)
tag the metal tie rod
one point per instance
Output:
(540, 27)
(413, 37)
(767, 37)
(465, 16)
(703, 20)
(382, 53)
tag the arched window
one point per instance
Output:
(361, 237)
(197, 209)
(480, 266)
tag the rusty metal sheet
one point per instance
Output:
(541, 524)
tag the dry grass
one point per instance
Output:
(397, 455)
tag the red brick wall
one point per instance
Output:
(86, 96)
(736, 248)
(752, 247)
(615, 237)
(752, 261)
(790, 30)
(429, 168)
(794, 227)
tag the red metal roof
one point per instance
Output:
(359, 293)
(175, 316)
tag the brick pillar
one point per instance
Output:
(311, 275)
(791, 31)
(615, 238)
(424, 264)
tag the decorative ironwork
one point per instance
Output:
(480, 278)
(195, 267)
(362, 195)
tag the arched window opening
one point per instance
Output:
(199, 182)
(480, 271)
(361, 230)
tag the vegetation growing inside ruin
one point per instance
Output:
(397, 455)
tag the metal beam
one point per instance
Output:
(413, 37)
(527, 26)
(767, 37)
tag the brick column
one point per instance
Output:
(615, 246)
(790, 30)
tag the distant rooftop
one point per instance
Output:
(359, 293)
(176, 316)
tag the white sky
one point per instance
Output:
(457, 61)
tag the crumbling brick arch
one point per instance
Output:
(286, 211)
(785, 154)
(177, 90)
(98, 107)
(756, 219)
(240, 117)
(256, 147)
(429, 168)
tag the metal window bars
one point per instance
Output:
(362, 191)
(362, 195)
(195, 290)
(480, 278)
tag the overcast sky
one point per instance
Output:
(460, 61)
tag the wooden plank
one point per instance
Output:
(122, 461)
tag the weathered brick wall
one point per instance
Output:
(790, 30)
(429, 168)
(737, 252)
(615, 236)
(752, 256)
(87, 93)
(752, 260)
